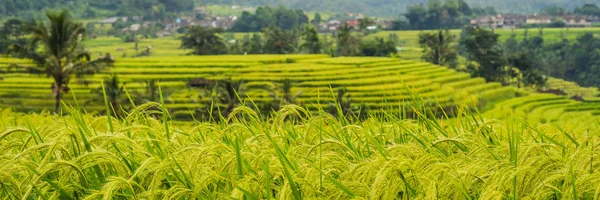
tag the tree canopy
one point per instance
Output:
(280, 17)
(203, 41)
(57, 52)
(89, 8)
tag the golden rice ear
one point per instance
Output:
(243, 111)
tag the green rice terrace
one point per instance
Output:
(431, 133)
(376, 83)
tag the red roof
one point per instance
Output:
(352, 22)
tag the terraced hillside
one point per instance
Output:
(578, 107)
(550, 109)
(376, 83)
(572, 88)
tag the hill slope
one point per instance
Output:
(375, 83)
(383, 8)
(392, 8)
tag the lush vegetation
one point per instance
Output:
(370, 83)
(386, 8)
(161, 9)
(56, 51)
(158, 124)
(436, 15)
(295, 155)
(152, 9)
(264, 17)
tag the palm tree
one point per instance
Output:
(287, 97)
(223, 96)
(439, 48)
(278, 41)
(114, 90)
(56, 50)
(346, 42)
(311, 40)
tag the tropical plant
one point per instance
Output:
(113, 93)
(529, 74)
(439, 48)
(283, 95)
(311, 40)
(203, 41)
(316, 20)
(378, 47)
(346, 42)
(278, 41)
(481, 46)
(220, 98)
(57, 51)
(151, 92)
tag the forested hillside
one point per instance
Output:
(395, 7)
(158, 8)
(96, 8)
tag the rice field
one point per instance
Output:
(498, 142)
(170, 46)
(295, 154)
(373, 83)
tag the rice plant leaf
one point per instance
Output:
(247, 193)
(333, 180)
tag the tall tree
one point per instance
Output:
(264, 17)
(529, 74)
(12, 32)
(56, 49)
(203, 41)
(588, 9)
(278, 41)
(311, 40)
(584, 61)
(256, 44)
(346, 42)
(439, 48)
(316, 20)
(480, 45)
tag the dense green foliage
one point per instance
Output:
(510, 64)
(439, 48)
(157, 9)
(56, 50)
(13, 31)
(312, 43)
(588, 9)
(278, 41)
(481, 46)
(203, 41)
(168, 8)
(347, 43)
(574, 60)
(438, 14)
(388, 8)
(378, 47)
(264, 17)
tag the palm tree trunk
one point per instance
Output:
(57, 96)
